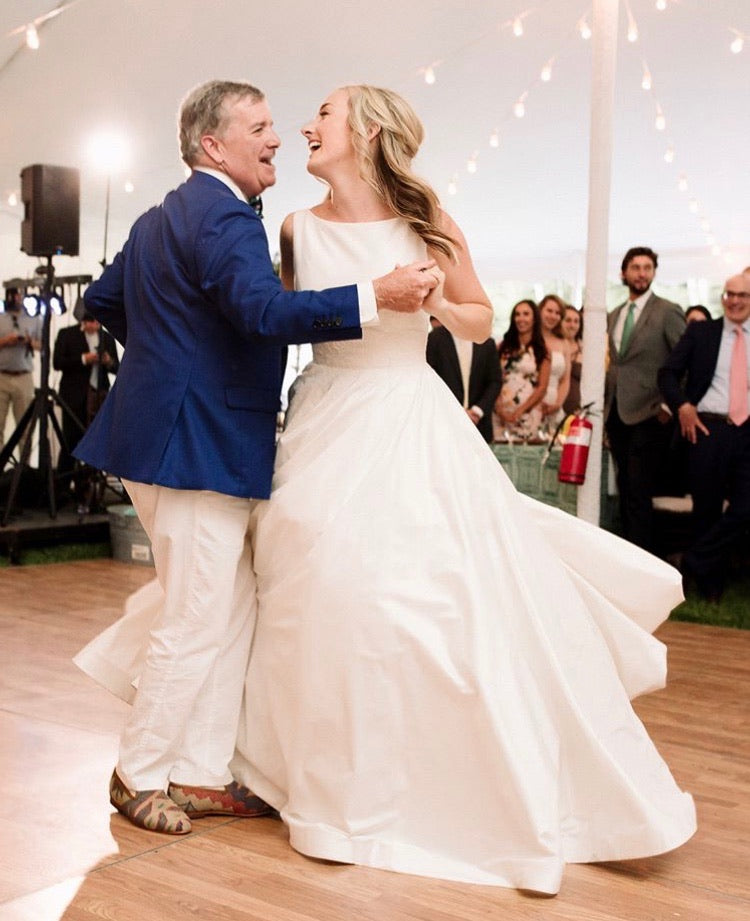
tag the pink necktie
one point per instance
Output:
(738, 412)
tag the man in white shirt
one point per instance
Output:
(705, 383)
(642, 333)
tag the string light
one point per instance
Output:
(471, 163)
(669, 154)
(495, 138)
(693, 205)
(682, 183)
(129, 187)
(453, 186)
(429, 75)
(13, 199)
(739, 42)
(584, 29)
(660, 122)
(646, 81)
(632, 25)
(546, 74)
(519, 107)
(661, 5)
(32, 37)
(518, 27)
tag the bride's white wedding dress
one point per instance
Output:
(440, 677)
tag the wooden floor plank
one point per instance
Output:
(65, 854)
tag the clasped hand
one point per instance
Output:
(409, 288)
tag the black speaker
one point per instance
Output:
(51, 198)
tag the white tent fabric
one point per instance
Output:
(104, 63)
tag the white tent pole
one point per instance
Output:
(604, 37)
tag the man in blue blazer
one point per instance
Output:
(190, 428)
(695, 381)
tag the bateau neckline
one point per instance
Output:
(323, 220)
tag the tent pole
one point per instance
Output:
(604, 53)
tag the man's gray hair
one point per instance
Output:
(203, 112)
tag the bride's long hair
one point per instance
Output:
(385, 163)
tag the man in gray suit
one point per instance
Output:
(642, 333)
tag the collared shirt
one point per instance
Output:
(716, 398)
(368, 308)
(640, 303)
(18, 357)
(465, 350)
(92, 340)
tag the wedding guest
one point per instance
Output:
(525, 369)
(551, 311)
(697, 313)
(572, 330)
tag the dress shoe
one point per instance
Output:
(233, 799)
(149, 809)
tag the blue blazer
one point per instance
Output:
(688, 372)
(204, 320)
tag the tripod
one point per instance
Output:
(41, 410)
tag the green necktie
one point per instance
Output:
(627, 329)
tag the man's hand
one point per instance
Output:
(690, 423)
(406, 286)
(91, 358)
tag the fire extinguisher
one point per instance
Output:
(575, 452)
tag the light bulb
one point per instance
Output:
(452, 187)
(129, 187)
(518, 27)
(669, 154)
(429, 75)
(519, 109)
(737, 45)
(495, 139)
(584, 29)
(693, 205)
(546, 73)
(632, 32)
(32, 37)
(471, 164)
(646, 81)
(682, 183)
(705, 225)
(13, 199)
(661, 5)
(660, 123)
(715, 250)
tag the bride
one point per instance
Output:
(418, 698)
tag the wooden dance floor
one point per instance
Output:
(64, 853)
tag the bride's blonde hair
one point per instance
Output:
(386, 164)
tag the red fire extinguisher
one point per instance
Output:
(575, 452)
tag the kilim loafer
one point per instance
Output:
(149, 809)
(233, 799)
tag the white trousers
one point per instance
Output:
(184, 719)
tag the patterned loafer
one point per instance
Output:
(233, 799)
(149, 809)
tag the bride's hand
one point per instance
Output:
(434, 300)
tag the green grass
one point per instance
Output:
(62, 553)
(732, 611)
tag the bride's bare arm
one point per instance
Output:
(460, 303)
